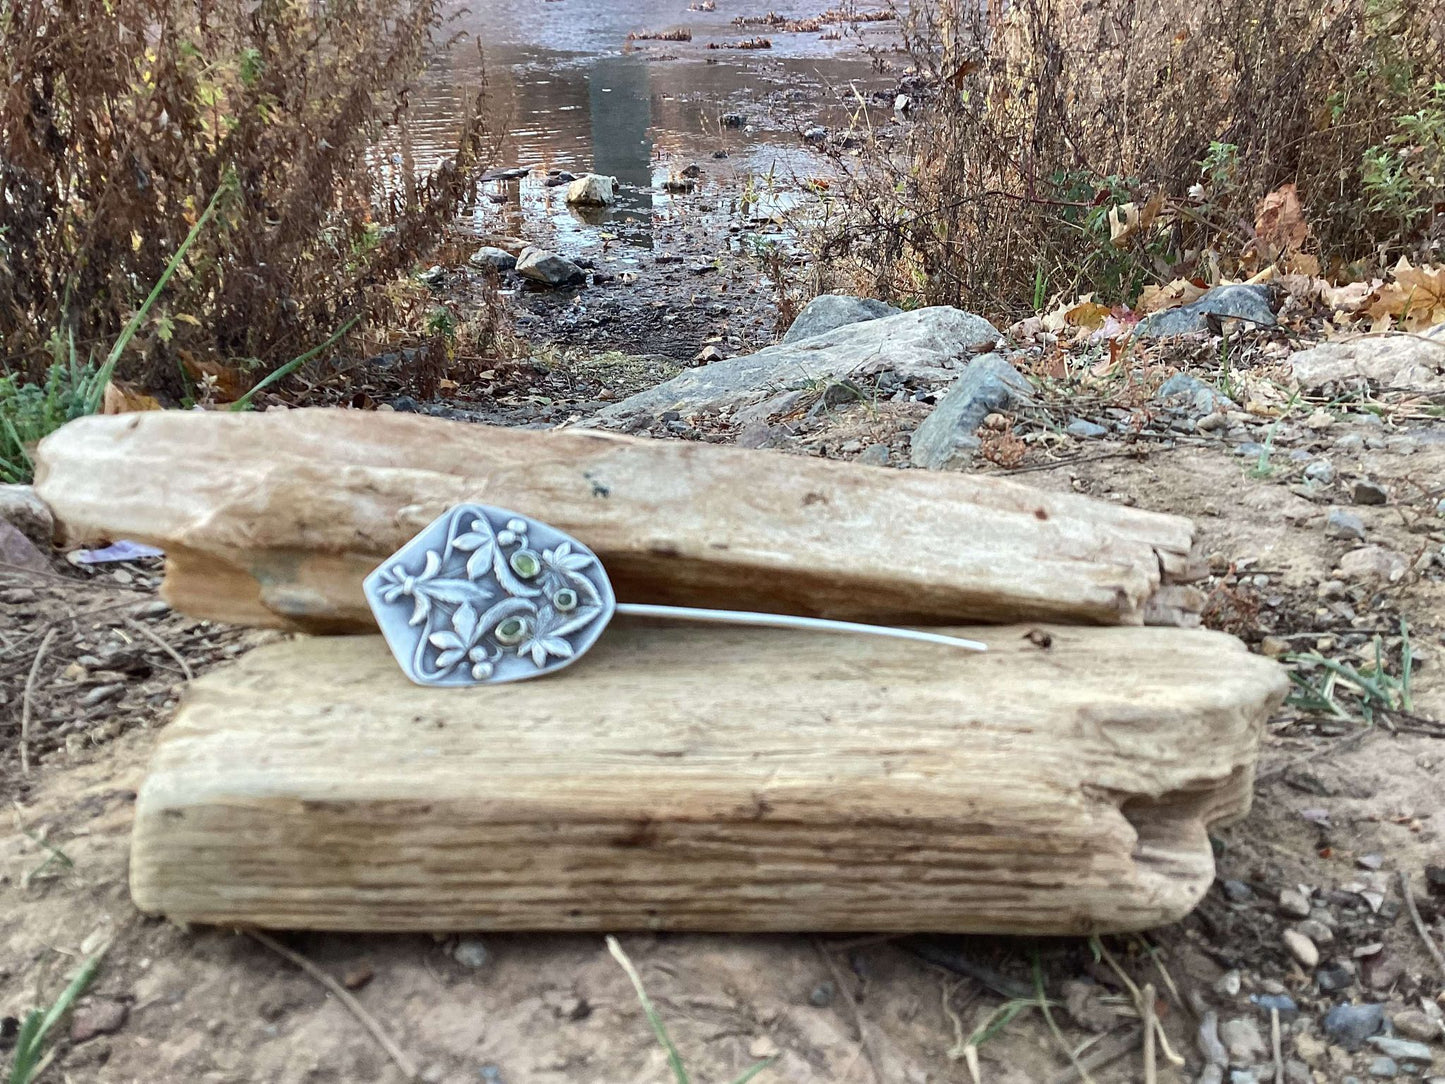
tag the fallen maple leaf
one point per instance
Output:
(1416, 299)
(1155, 298)
(121, 398)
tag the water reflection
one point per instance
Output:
(572, 94)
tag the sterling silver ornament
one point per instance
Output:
(483, 595)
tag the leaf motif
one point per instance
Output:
(444, 640)
(580, 620)
(454, 591)
(433, 565)
(470, 541)
(509, 582)
(420, 608)
(465, 622)
(479, 560)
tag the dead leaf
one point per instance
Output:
(225, 381)
(1128, 219)
(1088, 314)
(1279, 222)
(1157, 298)
(122, 398)
(1415, 300)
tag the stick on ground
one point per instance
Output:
(26, 700)
(369, 1022)
(1420, 927)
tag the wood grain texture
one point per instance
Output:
(274, 519)
(710, 779)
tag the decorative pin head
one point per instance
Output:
(484, 595)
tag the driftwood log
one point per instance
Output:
(274, 519)
(711, 779)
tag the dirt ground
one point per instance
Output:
(1341, 811)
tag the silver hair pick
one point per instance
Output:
(483, 595)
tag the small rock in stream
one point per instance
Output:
(1351, 1025)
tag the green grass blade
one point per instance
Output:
(674, 1059)
(1407, 667)
(103, 374)
(291, 366)
(27, 1046)
(754, 1070)
(27, 1049)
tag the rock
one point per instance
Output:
(816, 134)
(592, 190)
(1192, 395)
(1228, 984)
(1413, 1024)
(548, 268)
(1211, 1074)
(1240, 301)
(827, 312)
(471, 952)
(558, 178)
(821, 996)
(1237, 891)
(732, 120)
(97, 1016)
(1409, 1051)
(1373, 564)
(1319, 420)
(1297, 1072)
(1085, 430)
(1243, 1076)
(1413, 361)
(1384, 1068)
(1209, 1044)
(1316, 931)
(1283, 1002)
(433, 276)
(1321, 472)
(875, 455)
(946, 436)
(16, 549)
(1342, 524)
(27, 513)
(1301, 948)
(1334, 976)
(1292, 902)
(1352, 443)
(499, 259)
(1351, 1025)
(1367, 492)
(1243, 1041)
(926, 346)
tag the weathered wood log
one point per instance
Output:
(274, 519)
(710, 779)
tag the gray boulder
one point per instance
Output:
(926, 345)
(1193, 396)
(592, 190)
(490, 256)
(1398, 361)
(1240, 301)
(27, 513)
(827, 312)
(946, 437)
(548, 268)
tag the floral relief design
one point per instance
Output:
(491, 596)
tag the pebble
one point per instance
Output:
(1283, 1002)
(821, 996)
(1292, 902)
(100, 694)
(1342, 524)
(1321, 472)
(1384, 1068)
(1250, 449)
(1209, 1044)
(1440, 507)
(1406, 1050)
(1212, 1074)
(1243, 1076)
(1297, 1072)
(1367, 492)
(1350, 442)
(1320, 419)
(100, 1016)
(471, 952)
(1228, 984)
(1413, 1024)
(875, 455)
(1243, 1041)
(1084, 430)
(1351, 1025)
(1302, 949)
(1316, 931)
(1237, 891)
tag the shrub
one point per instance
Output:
(119, 121)
(1064, 146)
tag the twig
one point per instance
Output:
(150, 635)
(1138, 996)
(1053, 1026)
(369, 1022)
(1420, 926)
(1151, 1069)
(27, 697)
(847, 995)
(1274, 1041)
(1109, 1051)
